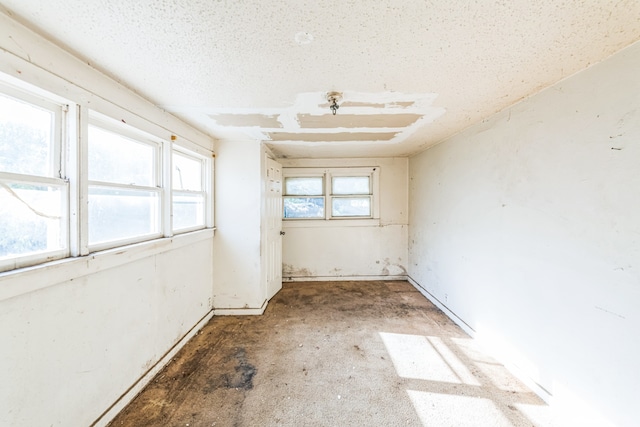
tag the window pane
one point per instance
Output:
(31, 219)
(26, 138)
(303, 186)
(116, 214)
(188, 210)
(304, 207)
(187, 173)
(350, 185)
(114, 158)
(351, 206)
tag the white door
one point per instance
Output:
(273, 196)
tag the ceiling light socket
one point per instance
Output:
(334, 97)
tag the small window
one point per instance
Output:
(351, 207)
(351, 196)
(120, 160)
(33, 194)
(124, 190)
(33, 218)
(337, 193)
(304, 207)
(351, 185)
(303, 186)
(189, 195)
(27, 143)
(303, 197)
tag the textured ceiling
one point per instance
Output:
(411, 72)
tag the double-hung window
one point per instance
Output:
(75, 181)
(334, 193)
(188, 191)
(351, 196)
(304, 196)
(33, 190)
(125, 191)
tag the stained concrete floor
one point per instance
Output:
(335, 354)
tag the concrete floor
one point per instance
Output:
(335, 354)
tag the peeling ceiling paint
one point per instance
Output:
(332, 137)
(356, 120)
(371, 117)
(254, 69)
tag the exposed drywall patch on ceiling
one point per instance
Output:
(332, 137)
(383, 118)
(401, 104)
(357, 121)
(374, 105)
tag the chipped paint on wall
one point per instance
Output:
(393, 269)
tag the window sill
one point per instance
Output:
(346, 222)
(29, 279)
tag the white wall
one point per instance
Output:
(76, 334)
(527, 227)
(238, 277)
(71, 348)
(344, 249)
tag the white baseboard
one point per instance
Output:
(511, 367)
(133, 391)
(240, 311)
(458, 321)
(341, 278)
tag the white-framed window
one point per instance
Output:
(330, 193)
(188, 190)
(75, 181)
(34, 193)
(304, 196)
(125, 188)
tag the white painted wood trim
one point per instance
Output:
(210, 168)
(341, 278)
(335, 223)
(25, 280)
(166, 169)
(73, 171)
(136, 388)
(31, 179)
(450, 314)
(240, 311)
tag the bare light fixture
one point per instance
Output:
(334, 98)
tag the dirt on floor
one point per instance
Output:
(335, 354)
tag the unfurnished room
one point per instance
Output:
(319, 213)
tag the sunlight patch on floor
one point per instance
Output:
(540, 415)
(435, 409)
(426, 358)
